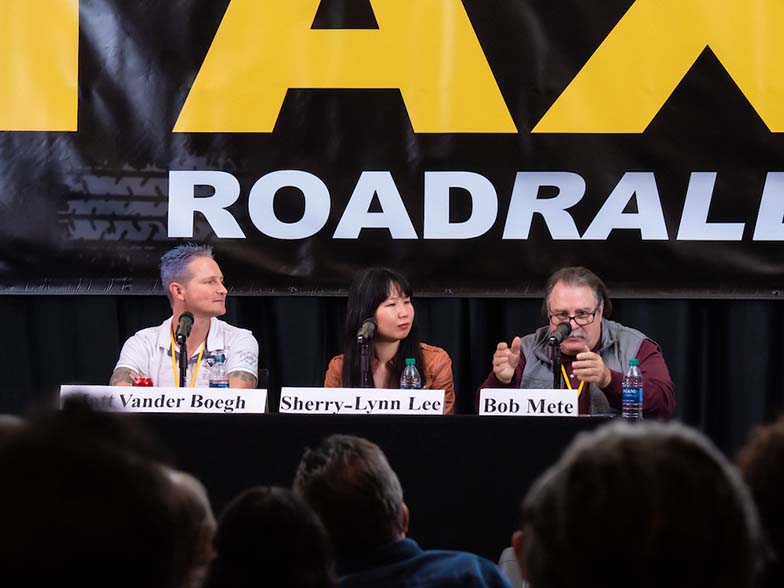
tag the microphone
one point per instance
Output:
(367, 330)
(184, 327)
(560, 333)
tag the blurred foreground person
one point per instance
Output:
(270, 537)
(761, 464)
(81, 506)
(350, 484)
(648, 505)
(197, 524)
(9, 424)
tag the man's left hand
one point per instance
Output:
(589, 367)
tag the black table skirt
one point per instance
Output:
(463, 476)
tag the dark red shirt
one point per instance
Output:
(658, 395)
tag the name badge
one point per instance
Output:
(360, 401)
(185, 400)
(527, 402)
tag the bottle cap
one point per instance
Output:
(634, 361)
(410, 361)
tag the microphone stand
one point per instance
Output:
(555, 357)
(364, 362)
(183, 362)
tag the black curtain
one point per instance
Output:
(724, 355)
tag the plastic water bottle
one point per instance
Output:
(218, 378)
(631, 403)
(410, 379)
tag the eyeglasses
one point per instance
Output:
(581, 318)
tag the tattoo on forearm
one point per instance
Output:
(247, 380)
(121, 376)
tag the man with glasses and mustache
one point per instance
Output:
(594, 355)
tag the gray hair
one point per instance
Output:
(645, 504)
(576, 277)
(174, 263)
(350, 484)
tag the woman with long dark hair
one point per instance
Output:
(385, 295)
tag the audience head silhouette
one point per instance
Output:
(197, 525)
(9, 424)
(81, 505)
(761, 464)
(352, 487)
(349, 482)
(645, 505)
(270, 537)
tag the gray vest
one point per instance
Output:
(619, 345)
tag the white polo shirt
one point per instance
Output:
(149, 352)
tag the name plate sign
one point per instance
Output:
(527, 402)
(184, 400)
(360, 401)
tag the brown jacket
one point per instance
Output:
(437, 374)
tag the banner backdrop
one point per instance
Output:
(474, 145)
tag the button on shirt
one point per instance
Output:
(149, 351)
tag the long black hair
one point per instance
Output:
(367, 292)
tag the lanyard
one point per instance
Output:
(569, 384)
(195, 368)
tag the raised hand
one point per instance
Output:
(505, 360)
(589, 367)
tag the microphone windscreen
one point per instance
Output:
(560, 333)
(367, 329)
(184, 326)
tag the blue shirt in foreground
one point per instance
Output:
(404, 564)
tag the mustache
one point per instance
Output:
(577, 334)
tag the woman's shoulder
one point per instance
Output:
(438, 367)
(432, 350)
(334, 376)
(336, 361)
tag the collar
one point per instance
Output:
(214, 337)
(390, 553)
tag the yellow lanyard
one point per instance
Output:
(569, 384)
(195, 368)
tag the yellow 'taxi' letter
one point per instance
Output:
(39, 65)
(638, 66)
(426, 48)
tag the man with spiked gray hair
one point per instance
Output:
(194, 285)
